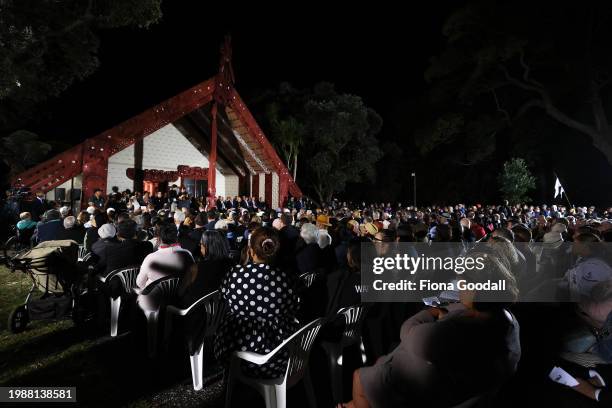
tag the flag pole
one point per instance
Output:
(564, 192)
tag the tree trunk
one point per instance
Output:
(603, 142)
(295, 167)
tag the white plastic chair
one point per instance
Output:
(211, 308)
(308, 278)
(82, 253)
(353, 319)
(127, 278)
(156, 293)
(274, 390)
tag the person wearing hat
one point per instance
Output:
(120, 248)
(323, 221)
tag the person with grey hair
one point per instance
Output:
(309, 258)
(50, 229)
(72, 230)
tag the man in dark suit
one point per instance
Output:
(192, 241)
(228, 203)
(212, 220)
(125, 251)
(220, 204)
(39, 206)
(51, 228)
(244, 202)
(72, 230)
(98, 199)
(288, 236)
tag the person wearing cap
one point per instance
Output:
(50, 229)
(122, 249)
(106, 235)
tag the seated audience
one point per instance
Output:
(262, 305)
(49, 230)
(123, 251)
(484, 354)
(72, 230)
(169, 259)
(310, 257)
(211, 269)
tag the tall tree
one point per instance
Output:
(342, 146)
(506, 60)
(516, 181)
(47, 45)
(333, 133)
(288, 135)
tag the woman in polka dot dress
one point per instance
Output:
(262, 305)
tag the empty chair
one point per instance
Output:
(201, 321)
(152, 300)
(120, 282)
(351, 334)
(274, 390)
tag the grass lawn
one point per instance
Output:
(106, 371)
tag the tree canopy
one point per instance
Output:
(502, 61)
(515, 181)
(45, 46)
(334, 134)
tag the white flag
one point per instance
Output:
(558, 189)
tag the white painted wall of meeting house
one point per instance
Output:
(165, 149)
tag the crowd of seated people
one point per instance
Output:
(255, 255)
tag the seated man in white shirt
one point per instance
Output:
(169, 259)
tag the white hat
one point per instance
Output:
(107, 231)
(110, 210)
(64, 211)
(91, 210)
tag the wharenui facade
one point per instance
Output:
(204, 138)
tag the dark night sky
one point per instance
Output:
(377, 54)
